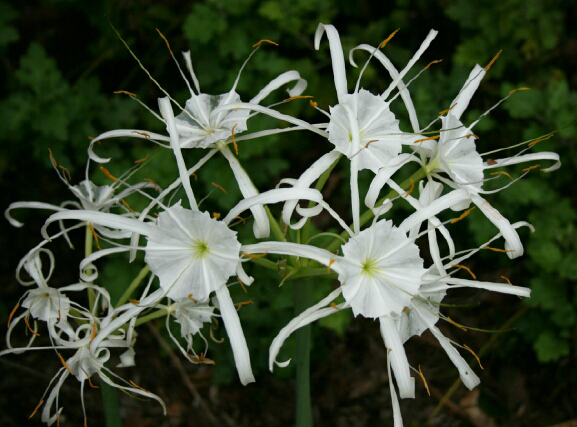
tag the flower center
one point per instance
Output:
(200, 249)
(369, 267)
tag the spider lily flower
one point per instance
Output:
(456, 156)
(191, 314)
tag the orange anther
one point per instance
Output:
(216, 215)
(541, 139)
(465, 268)
(134, 301)
(424, 380)
(153, 183)
(85, 422)
(125, 93)
(333, 305)
(471, 135)
(64, 363)
(219, 187)
(254, 255)
(67, 172)
(436, 61)
(427, 139)
(201, 359)
(241, 218)
(493, 60)
(195, 176)
(94, 235)
(520, 88)
(264, 41)
(447, 110)
(29, 328)
(234, 140)
(331, 262)
(473, 353)
(410, 189)
(508, 281)
(127, 206)
(242, 286)
(491, 162)
(388, 39)
(144, 134)
(36, 409)
(463, 215)
(91, 385)
(313, 103)
(530, 167)
(166, 41)
(108, 174)
(52, 158)
(240, 304)
(503, 173)
(191, 298)
(93, 335)
(452, 322)
(297, 97)
(12, 313)
(138, 387)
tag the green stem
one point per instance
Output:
(133, 285)
(302, 296)
(368, 214)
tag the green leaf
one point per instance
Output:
(550, 348)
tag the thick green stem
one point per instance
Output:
(302, 296)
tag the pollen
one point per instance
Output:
(493, 60)
(64, 363)
(166, 41)
(331, 262)
(292, 98)
(36, 409)
(388, 39)
(473, 353)
(424, 380)
(12, 313)
(313, 103)
(463, 215)
(234, 140)
(219, 187)
(436, 61)
(427, 139)
(503, 173)
(465, 268)
(147, 136)
(29, 328)
(108, 174)
(94, 235)
(410, 189)
(125, 93)
(152, 182)
(264, 41)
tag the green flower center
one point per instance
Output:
(369, 267)
(200, 249)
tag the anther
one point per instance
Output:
(94, 235)
(64, 363)
(242, 286)
(52, 158)
(195, 176)
(331, 262)
(531, 167)
(219, 187)
(153, 183)
(436, 61)
(541, 139)
(471, 135)
(254, 255)
(503, 173)
(85, 422)
(388, 39)
(241, 218)
(137, 386)
(93, 335)
(473, 353)
(424, 380)
(447, 110)
(90, 384)
(498, 250)
(125, 93)
(452, 322)
(240, 304)
(410, 189)
(427, 139)
(216, 215)
(144, 134)
(12, 313)
(29, 328)
(190, 297)
(234, 140)
(465, 268)
(108, 174)
(313, 103)
(127, 206)
(520, 88)
(463, 215)
(166, 41)
(264, 41)
(36, 409)
(67, 172)
(491, 162)
(292, 98)
(333, 305)
(134, 301)
(493, 60)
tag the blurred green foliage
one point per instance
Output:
(62, 61)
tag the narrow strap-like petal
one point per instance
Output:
(280, 80)
(28, 205)
(434, 208)
(398, 357)
(337, 57)
(461, 102)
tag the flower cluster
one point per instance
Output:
(192, 257)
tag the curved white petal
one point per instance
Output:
(543, 155)
(398, 357)
(279, 81)
(337, 56)
(434, 208)
(461, 102)
(134, 133)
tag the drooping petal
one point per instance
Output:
(398, 357)
(337, 56)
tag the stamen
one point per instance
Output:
(190, 297)
(125, 93)
(134, 301)
(58, 315)
(91, 138)
(127, 206)
(476, 357)
(292, 98)
(427, 139)
(508, 281)
(436, 61)
(195, 176)
(491, 162)
(541, 139)
(263, 41)
(201, 359)
(234, 140)
(93, 332)
(90, 384)
(463, 215)
(473, 135)
(498, 250)
(465, 268)
(153, 183)
(333, 305)
(424, 380)
(406, 309)
(447, 110)
(144, 134)
(241, 218)
(216, 215)
(29, 328)
(94, 235)
(108, 174)
(85, 422)
(410, 189)
(520, 88)
(138, 387)
(64, 363)
(211, 332)
(242, 286)
(219, 187)
(531, 167)
(67, 172)
(331, 262)
(166, 41)
(240, 304)
(36, 409)
(493, 60)
(388, 39)
(313, 103)
(52, 158)
(452, 322)
(58, 420)
(13, 312)
(503, 173)
(254, 255)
